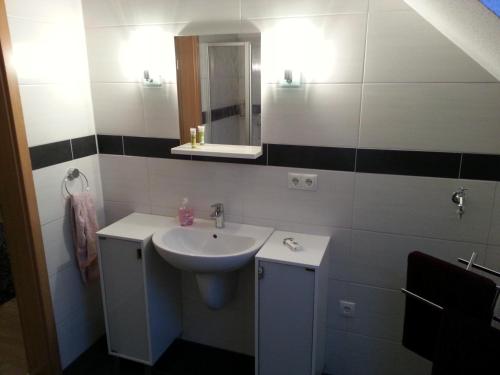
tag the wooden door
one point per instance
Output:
(22, 224)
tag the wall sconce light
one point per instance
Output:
(150, 80)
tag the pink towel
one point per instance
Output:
(84, 220)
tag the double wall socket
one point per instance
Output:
(301, 181)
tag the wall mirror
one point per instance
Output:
(219, 86)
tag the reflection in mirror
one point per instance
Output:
(218, 80)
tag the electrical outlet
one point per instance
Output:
(347, 308)
(293, 181)
(301, 181)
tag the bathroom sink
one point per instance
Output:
(201, 248)
(214, 255)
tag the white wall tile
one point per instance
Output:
(161, 112)
(388, 5)
(327, 49)
(494, 236)
(129, 12)
(316, 114)
(119, 109)
(223, 329)
(51, 199)
(52, 204)
(354, 354)
(70, 296)
(118, 210)
(126, 179)
(55, 11)
(284, 8)
(58, 50)
(339, 250)
(266, 196)
(379, 312)
(431, 117)
(107, 55)
(76, 334)
(56, 112)
(203, 183)
(380, 259)
(403, 47)
(121, 54)
(230, 328)
(422, 206)
(58, 245)
(492, 261)
(337, 290)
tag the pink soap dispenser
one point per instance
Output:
(186, 214)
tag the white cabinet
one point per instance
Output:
(142, 299)
(291, 292)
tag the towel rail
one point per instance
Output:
(416, 296)
(469, 263)
(479, 267)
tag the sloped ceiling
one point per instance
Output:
(467, 23)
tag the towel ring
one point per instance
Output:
(73, 174)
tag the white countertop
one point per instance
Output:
(140, 227)
(311, 255)
(226, 151)
(137, 227)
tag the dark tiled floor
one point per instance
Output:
(182, 358)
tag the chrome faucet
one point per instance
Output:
(218, 215)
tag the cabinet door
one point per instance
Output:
(286, 312)
(125, 304)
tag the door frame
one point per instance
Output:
(22, 223)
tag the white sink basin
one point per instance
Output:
(212, 254)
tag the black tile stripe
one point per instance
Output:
(480, 167)
(50, 154)
(151, 147)
(110, 144)
(84, 146)
(313, 157)
(408, 163)
(396, 162)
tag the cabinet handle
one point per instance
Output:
(260, 272)
(310, 269)
(139, 254)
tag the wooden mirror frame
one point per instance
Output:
(188, 84)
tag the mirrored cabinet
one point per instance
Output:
(219, 89)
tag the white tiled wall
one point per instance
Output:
(403, 47)
(456, 117)
(51, 60)
(75, 305)
(376, 76)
